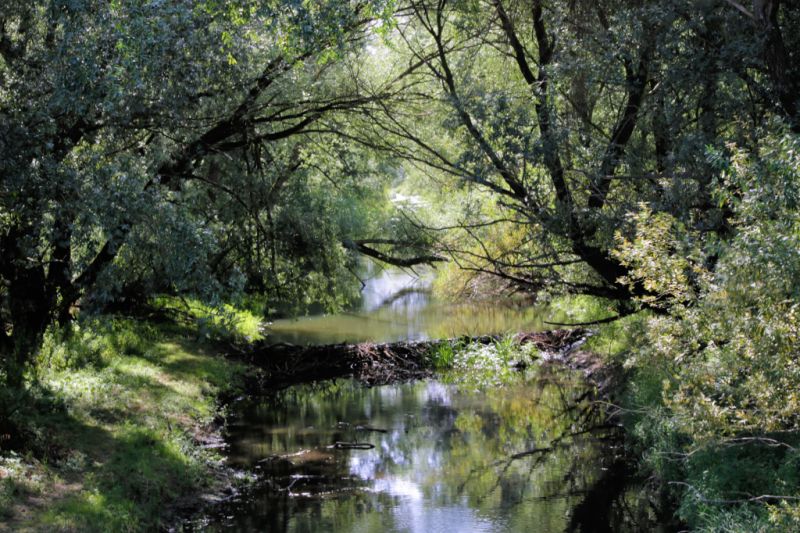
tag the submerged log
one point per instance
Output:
(339, 445)
(379, 363)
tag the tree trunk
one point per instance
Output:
(782, 73)
(29, 306)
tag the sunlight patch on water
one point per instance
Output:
(401, 488)
(440, 460)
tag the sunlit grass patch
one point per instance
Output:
(116, 426)
(94, 342)
(215, 322)
(19, 478)
(91, 510)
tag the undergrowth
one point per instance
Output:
(481, 365)
(108, 432)
(213, 322)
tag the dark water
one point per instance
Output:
(443, 460)
(439, 456)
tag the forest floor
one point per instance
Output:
(125, 443)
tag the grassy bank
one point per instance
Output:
(709, 422)
(113, 425)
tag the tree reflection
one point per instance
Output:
(537, 453)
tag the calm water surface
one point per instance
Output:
(447, 455)
(442, 457)
(398, 305)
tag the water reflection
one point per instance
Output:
(395, 288)
(444, 459)
(398, 305)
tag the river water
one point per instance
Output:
(452, 454)
(398, 305)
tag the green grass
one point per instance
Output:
(111, 418)
(475, 364)
(215, 322)
(615, 340)
(442, 355)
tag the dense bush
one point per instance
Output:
(719, 379)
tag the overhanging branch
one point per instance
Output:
(404, 262)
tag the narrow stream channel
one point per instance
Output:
(444, 455)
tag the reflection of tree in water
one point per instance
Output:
(576, 466)
(536, 455)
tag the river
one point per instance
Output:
(398, 305)
(452, 454)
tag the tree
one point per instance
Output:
(111, 112)
(573, 115)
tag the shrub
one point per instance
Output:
(719, 379)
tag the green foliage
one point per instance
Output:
(223, 322)
(663, 256)
(94, 342)
(231, 150)
(717, 382)
(541, 148)
(20, 479)
(613, 340)
(475, 364)
(145, 469)
(442, 355)
(161, 150)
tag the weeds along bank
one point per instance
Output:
(715, 434)
(710, 391)
(712, 427)
(713, 400)
(114, 429)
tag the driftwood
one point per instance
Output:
(339, 445)
(379, 363)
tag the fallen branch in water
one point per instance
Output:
(379, 363)
(352, 445)
(370, 428)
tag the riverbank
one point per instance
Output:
(119, 428)
(121, 422)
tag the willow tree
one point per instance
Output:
(115, 118)
(574, 115)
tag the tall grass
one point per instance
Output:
(214, 322)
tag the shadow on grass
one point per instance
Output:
(126, 480)
(189, 365)
(107, 463)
